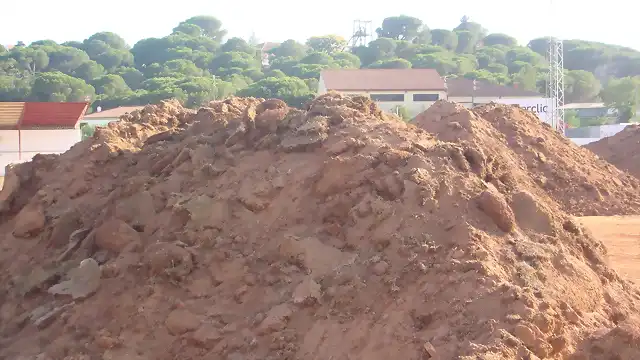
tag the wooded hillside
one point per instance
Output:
(197, 63)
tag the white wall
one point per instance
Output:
(322, 88)
(611, 129)
(34, 142)
(539, 106)
(583, 141)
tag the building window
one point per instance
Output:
(387, 97)
(426, 97)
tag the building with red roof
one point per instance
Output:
(30, 128)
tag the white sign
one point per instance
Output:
(539, 106)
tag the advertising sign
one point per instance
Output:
(539, 106)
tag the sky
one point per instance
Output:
(279, 20)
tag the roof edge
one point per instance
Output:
(404, 90)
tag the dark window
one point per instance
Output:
(387, 97)
(591, 113)
(426, 97)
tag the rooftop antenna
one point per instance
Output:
(555, 87)
(362, 33)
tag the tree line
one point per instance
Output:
(196, 64)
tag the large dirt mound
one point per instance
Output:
(512, 148)
(249, 230)
(621, 149)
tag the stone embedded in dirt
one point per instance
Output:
(116, 235)
(531, 214)
(139, 209)
(307, 291)
(276, 318)
(319, 258)
(83, 281)
(492, 203)
(181, 321)
(68, 222)
(168, 259)
(206, 336)
(10, 186)
(30, 221)
(42, 320)
(380, 268)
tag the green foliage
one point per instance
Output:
(499, 39)
(328, 43)
(391, 64)
(87, 130)
(205, 26)
(56, 86)
(622, 95)
(293, 91)
(289, 48)
(400, 28)
(402, 112)
(196, 64)
(572, 119)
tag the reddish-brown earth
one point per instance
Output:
(513, 149)
(621, 149)
(249, 230)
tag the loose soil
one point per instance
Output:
(512, 148)
(621, 237)
(621, 149)
(249, 230)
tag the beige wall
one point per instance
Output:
(414, 108)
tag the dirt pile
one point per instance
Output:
(249, 230)
(511, 148)
(621, 149)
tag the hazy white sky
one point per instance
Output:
(278, 20)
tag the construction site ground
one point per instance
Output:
(248, 230)
(621, 236)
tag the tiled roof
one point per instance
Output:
(10, 114)
(25, 115)
(113, 113)
(382, 79)
(462, 87)
(52, 114)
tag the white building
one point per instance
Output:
(470, 93)
(418, 89)
(413, 89)
(30, 128)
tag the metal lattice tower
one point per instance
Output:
(362, 33)
(556, 83)
(555, 87)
